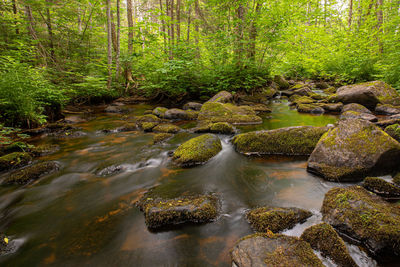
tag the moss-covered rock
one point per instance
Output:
(332, 107)
(324, 238)
(221, 128)
(6, 245)
(45, 149)
(396, 179)
(260, 108)
(179, 114)
(330, 90)
(271, 250)
(382, 188)
(357, 115)
(14, 160)
(356, 107)
(197, 150)
(166, 128)
(352, 150)
(161, 137)
(301, 100)
(368, 94)
(393, 131)
(192, 105)
(387, 109)
(299, 140)
(276, 219)
(159, 112)
(32, 173)
(310, 108)
(221, 97)
(281, 82)
(219, 112)
(316, 96)
(148, 126)
(15, 147)
(128, 127)
(365, 217)
(168, 212)
(147, 118)
(383, 123)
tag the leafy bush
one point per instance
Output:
(92, 90)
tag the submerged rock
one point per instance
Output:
(114, 109)
(357, 115)
(46, 149)
(161, 137)
(14, 160)
(270, 250)
(168, 212)
(193, 106)
(368, 94)
(31, 173)
(219, 112)
(197, 150)
(353, 150)
(382, 188)
(364, 217)
(276, 219)
(394, 131)
(221, 97)
(298, 140)
(166, 128)
(111, 170)
(324, 238)
(387, 109)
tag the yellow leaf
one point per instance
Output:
(6, 240)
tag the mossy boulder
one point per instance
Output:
(161, 137)
(221, 97)
(324, 238)
(298, 140)
(364, 217)
(161, 213)
(15, 147)
(197, 150)
(219, 112)
(222, 128)
(166, 128)
(179, 114)
(276, 219)
(387, 109)
(357, 115)
(396, 179)
(281, 82)
(297, 100)
(394, 131)
(192, 105)
(31, 173)
(356, 107)
(330, 90)
(148, 126)
(382, 188)
(368, 94)
(45, 149)
(332, 107)
(159, 112)
(147, 118)
(270, 250)
(14, 160)
(310, 108)
(260, 108)
(383, 123)
(304, 91)
(352, 150)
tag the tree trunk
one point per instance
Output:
(109, 45)
(196, 28)
(50, 31)
(253, 34)
(239, 36)
(178, 19)
(128, 69)
(163, 27)
(350, 13)
(379, 14)
(117, 64)
(15, 12)
(189, 18)
(31, 30)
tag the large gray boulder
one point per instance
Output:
(270, 250)
(353, 150)
(221, 97)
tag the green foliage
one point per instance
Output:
(92, 90)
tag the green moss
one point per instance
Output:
(166, 128)
(31, 173)
(316, 96)
(324, 238)
(148, 126)
(393, 131)
(396, 179)
(266, 219)
(222, 128)
(330, 90)
(381, 187)
(147, 118)
(365, 217)
(310, 108)
(285, 141)
(219, 112)
(301, 100)
(15, 159)
(159, 111)
(15, 147)
(166, 212)
(197, 150)
(161, 137)
(45, 149)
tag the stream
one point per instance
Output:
(83, 215)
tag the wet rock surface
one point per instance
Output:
(382, 188)
(353, 150)
(14, 160)
(219, 112)
(32, 173)
(358, 115)
(297, 140)
(276, 219)
(387, 109)
(271, 250)
(394, 131)
(364, 217)
(221, 97)
(323, 237)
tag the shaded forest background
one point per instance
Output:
(56, 52)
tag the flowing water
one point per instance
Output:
(77, 217)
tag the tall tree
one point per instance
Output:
(117, 63)
(109, 43)
(128, 69)
(350, 12)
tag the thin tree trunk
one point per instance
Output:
(350, 13)
(196, 27)
(32, 33)
(117, 64)
(379, 14)
(189, 16)
(15, 12)
(163, 28)
(172, 27)
(109, 45)
(239, 36)
(50, 32)
(128, 69)
(253, 34)
(178, 19)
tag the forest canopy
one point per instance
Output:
(88, 51)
